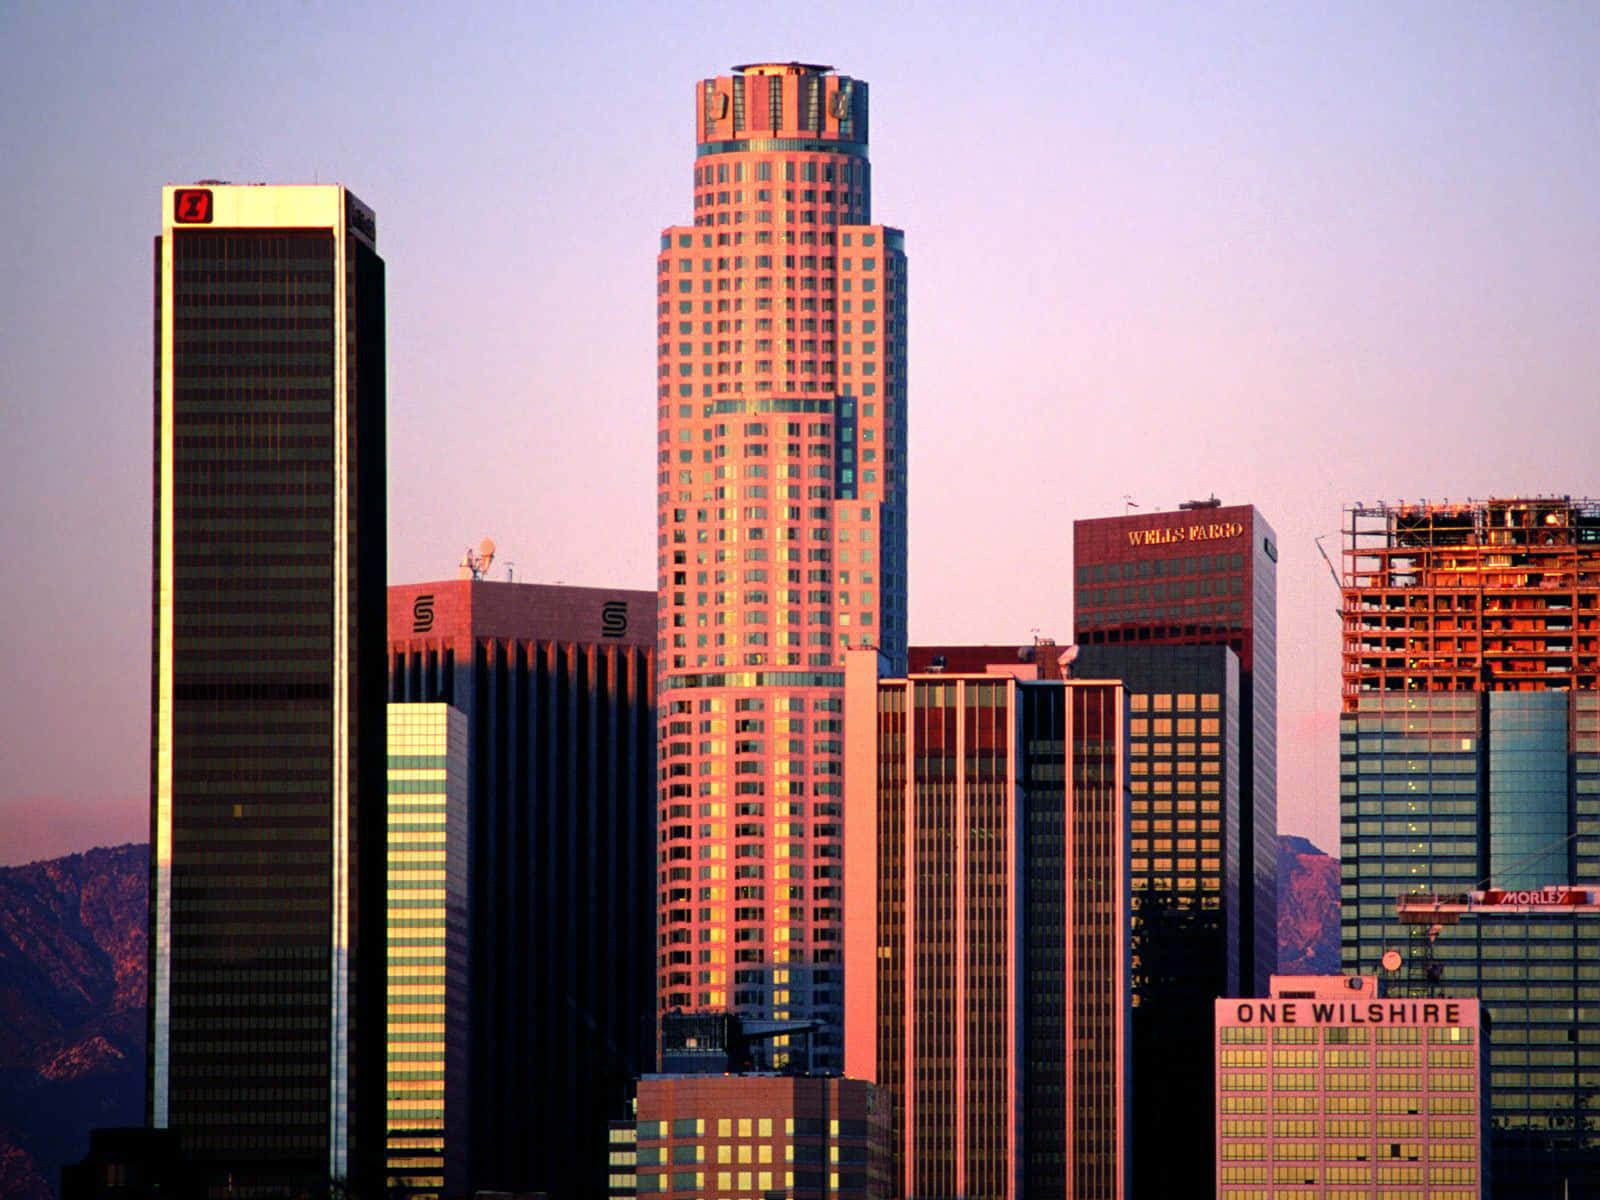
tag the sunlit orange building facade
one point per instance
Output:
(781, 492)
(987, 957)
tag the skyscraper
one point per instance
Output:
(1183, 805)
(267, 754)
(987, 956)
(1203, 575)
(556, 688)
(781, 492)
(1469, 763)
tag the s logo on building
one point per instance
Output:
(191, 206)
(422, 613)
(614, 618)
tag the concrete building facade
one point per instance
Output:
(781, 522)
(1327, 1090)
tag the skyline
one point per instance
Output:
(1363, 210)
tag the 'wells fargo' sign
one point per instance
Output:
(1203, 532)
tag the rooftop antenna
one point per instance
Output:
(476, 564)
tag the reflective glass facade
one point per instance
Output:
(992, 847)
(1427, 810)
(1203, 576)
(1183, 838)
(428, 887)
(1470, 759)
(556, 685)
(267, 877)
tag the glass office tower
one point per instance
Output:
(1184, 865)
(555, 686)
(1206, 574)
(428, 952)
(781, 533)
(267, 750)
(987, 958)
(1470, 761)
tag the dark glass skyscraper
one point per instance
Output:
(267, 761)
(1470, 765)
(556, 686)
(1203, 575)
(1188, 928)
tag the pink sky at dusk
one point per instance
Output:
(1292, 255)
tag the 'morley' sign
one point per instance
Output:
(1347, 1012)
(1203, 532)
(1563, 896)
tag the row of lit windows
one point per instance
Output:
(1286, 1103)
(1349, 1127)
(1437, 1056)
(1311, 1081)
(1310, 1173)
(1347, 1035)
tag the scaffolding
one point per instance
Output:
(1425, 915)
(1491, 595)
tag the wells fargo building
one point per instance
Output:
(1203, 575)
(266, 998)
(781, 492)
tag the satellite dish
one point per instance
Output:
(1069, 655)
(1391, 960)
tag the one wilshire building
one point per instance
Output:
(1470, 791)
(266, 1002)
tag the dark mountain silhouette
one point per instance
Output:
(72, 998)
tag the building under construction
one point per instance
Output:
(1469, 763)
(1495, 595)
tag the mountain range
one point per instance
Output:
(72, 1003)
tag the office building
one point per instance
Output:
(1183, 838)
(1188, 927)
(747, 1137)
(1327, 1090)
(1203, 575)
(987, 959)
(556, 688)
(266, 1056)
(781, 491)
(1470, 762)
(428, 952)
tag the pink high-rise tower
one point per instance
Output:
(781, 492)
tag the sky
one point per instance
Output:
(1291, 255)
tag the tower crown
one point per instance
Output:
(800, 106)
